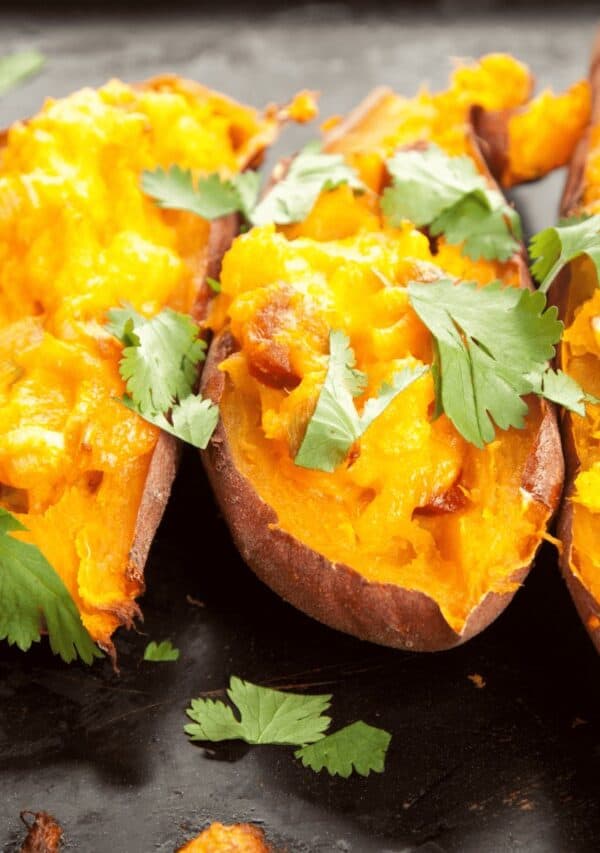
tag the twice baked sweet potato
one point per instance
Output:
(419, 539)
(576, 291)
(87, 477)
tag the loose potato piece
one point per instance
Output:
(239, 838)
(419, 540)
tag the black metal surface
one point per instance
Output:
(514, 765)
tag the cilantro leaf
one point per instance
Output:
(563, 390)
(265, 716)
(489, 342)
(159, 652)
(161, 356)
(33, 597)
(17, 67)
(428, 182)
(335, 423)
(193, 420)
(448, 195)
(160, 368)
(358, 747)
(211, 197)
(555, 247)
(290, 200)
(310, 173)
(481, 229)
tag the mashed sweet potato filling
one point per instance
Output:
(77, 237)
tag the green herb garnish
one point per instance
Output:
(160, 368)
(267, 716)
(34, 598)
(449, 196)
(357, 747)
(161, 652)
(335, 424)
(291, 200)
(553, 248)
(492, 347)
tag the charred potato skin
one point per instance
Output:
(587, 606)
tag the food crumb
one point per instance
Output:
(478, 680)
(578, 721)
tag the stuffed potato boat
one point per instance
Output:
(87, 477)
(417, 539)
(576, 292)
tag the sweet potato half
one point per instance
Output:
(88, 478)
(577, 294)
(419, 540)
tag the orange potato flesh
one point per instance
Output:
(77, 237)
(374, 513)
(580, 357)
(238, 838)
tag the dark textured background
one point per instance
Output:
(512, 766)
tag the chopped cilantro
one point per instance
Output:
(265, 716)
(160, 652)
(290, 200)
(450, 197)
(335, 424)
(492, 347)
(160, 368)
(553, 248)
(357, 747)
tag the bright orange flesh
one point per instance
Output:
(414, 504)
(580, 353)
(77, 237)
(542, 136)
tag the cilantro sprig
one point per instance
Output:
(33, 598)
(290, 200)
(160, 368)
(17, 67)
(268, 716)
(492, 347)
(553, 248)
(448, 196)
(335, 423)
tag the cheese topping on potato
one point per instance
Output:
(77, 237)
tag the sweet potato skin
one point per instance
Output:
(333, 593)
(587, 606)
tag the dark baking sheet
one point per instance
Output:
(512, 766)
